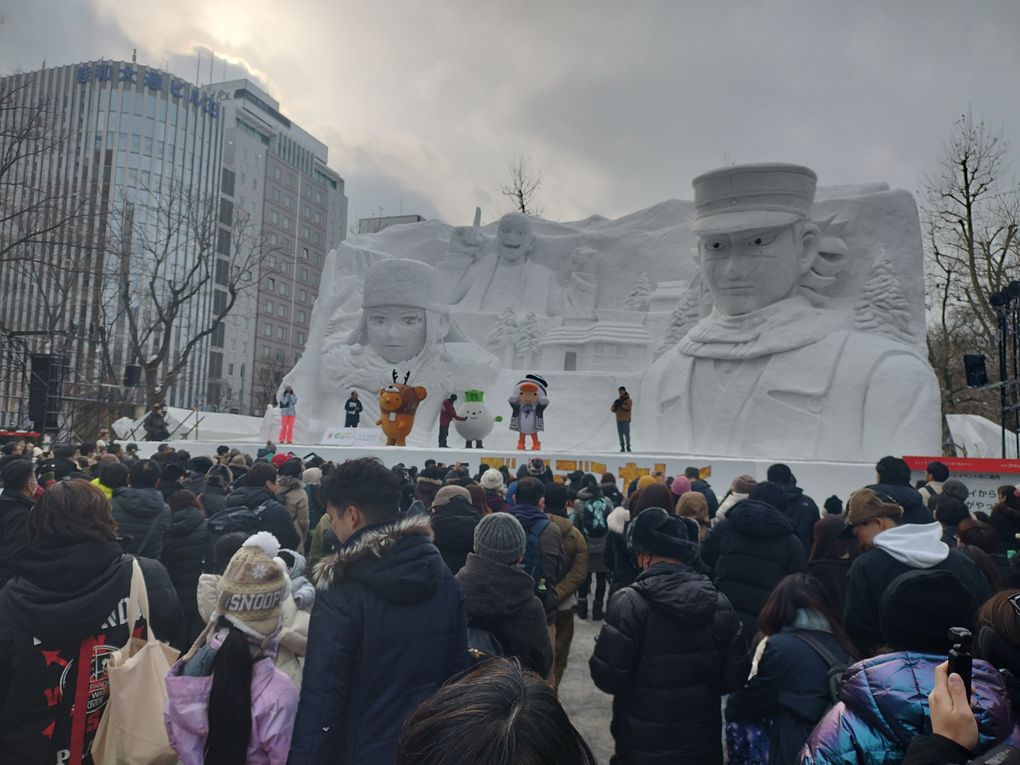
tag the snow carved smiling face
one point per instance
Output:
(515, 238)
(479, 421)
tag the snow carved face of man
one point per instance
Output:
(748, 270)
(515, 239)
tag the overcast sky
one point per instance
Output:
(424, 104)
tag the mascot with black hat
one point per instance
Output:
(528, 403)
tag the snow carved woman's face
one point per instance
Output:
(397, 333)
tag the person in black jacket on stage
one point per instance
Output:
(183, 553)
(63, 612)
(750, 551)
(669, 649)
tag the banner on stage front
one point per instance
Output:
(351, 437)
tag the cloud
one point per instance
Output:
(618, 104)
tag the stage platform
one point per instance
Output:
(818, 479)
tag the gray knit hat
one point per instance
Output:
(500, 537)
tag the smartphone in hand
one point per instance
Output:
(960, 660)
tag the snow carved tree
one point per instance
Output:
(882, 307)
(638, 298)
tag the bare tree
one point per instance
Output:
(522, 187)
(971, 215)
(266, 383)
(179, 262)
(34, 212)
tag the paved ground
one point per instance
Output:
(589, 708)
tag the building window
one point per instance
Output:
(270, 284)
(267, 329)
(301, 317)
(284, 289)
(275, 217)
(304, 274)
(283, 311)
(230, 370)
(227, 182)
(301, 338)
(265, 351)
(281, 333)
(276, 195)
(279, 356)
(286, 222)
(304, 250)
(268, 307)
(302, 296)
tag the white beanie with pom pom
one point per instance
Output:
(253, 587)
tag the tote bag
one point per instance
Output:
(131, 731)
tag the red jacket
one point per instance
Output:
(448, 414)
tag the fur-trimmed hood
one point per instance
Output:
(288, 483)
(618, 519)
(396, 560)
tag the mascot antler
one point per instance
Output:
(407, 377)
(394, 376)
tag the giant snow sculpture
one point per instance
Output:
(767, 372)
(796, 330)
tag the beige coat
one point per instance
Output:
(292, 493)
(290, 654)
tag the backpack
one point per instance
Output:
(593, 517)
(533, 551)
(837, 667)
(237, 519)
(482, 643)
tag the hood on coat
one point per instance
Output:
(527, 514)
(298, 569)
(760, 520)
(396, 560)
(678, 592)
(141, 503)
(890, 693)
(66, 588)
(493, 589)
(184, 521)
(915, 544)
(248, 496)
(288, 483)
(618, 520)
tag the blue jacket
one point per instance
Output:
(288, 402)
(884, 704)
(388, 628)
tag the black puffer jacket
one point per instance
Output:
(749, 552)
(454, 523)
(275, 518)
(501, 599)
(135, 511)
(64, 611)
(669, 649)
(183, 551)
(213, 499)
(617, 558)
(14, 507)
(909, 498)
(1006, 521)
(802, 512)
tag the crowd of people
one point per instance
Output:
(358, 613)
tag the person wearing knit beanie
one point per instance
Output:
(680, 485)
(236, 652)
(500, 537)
(312, 476)
(743, 484)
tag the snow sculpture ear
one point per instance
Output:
(442, 324)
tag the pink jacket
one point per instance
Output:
(274, 702)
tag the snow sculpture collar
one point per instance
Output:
(783, 326)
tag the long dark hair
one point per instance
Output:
(497, 714)
(828, 545)
(653, 495)
(796, 592)
(230, 702)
